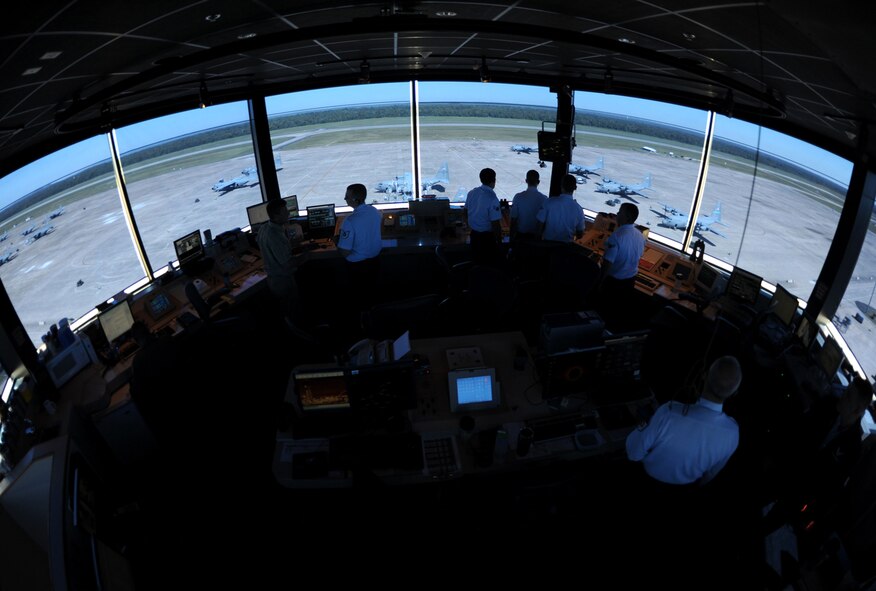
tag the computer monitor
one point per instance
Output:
(189, 248)
(159, 305)
(744, 286)
(784, 305)
(706, 278)
(321, 221)
(382, 389)
(473, 389)
(257, 214)
(116, 321)
(319, 390)
(571, 372)
(829, 358)
(291, 205)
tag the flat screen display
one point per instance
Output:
(744, 286)
(473, 389)
(321, 221)
(116, 321)
(159, 305)
(706, 278)
(322, 390)
(257, 214)
(189, 247)
(784, 305)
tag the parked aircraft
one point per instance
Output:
(246, 175)
(677, 220)
(609, 186)
(56, 213)
(584, 171)
(8, 256)
(45, 230)
(29, 229)
(524, 149)
(403, 185)
(4, 236)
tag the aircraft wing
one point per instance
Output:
(714, 231)
(660, 213)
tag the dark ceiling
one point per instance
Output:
(72, 69)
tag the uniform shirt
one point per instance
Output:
(679, 447)
(360, 233)
(278, 258)
(482, 206)
(623, 249)
(525, 207)
(562, 218)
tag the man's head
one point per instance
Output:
(532, 178)
(488, 177)
(277, 211)
(627, 214)
(569, 184)
(140, 333)
(724, 378)
(356, 194)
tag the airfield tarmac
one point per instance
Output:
(785, 238)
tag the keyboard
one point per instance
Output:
(440, 455)
(645, 283)
(564, 425)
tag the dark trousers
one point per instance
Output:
(615, 301)
(363, 277)
(484, 248)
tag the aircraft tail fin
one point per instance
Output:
(716, 214)
(646, 184)
(599, 163)
(442, 174)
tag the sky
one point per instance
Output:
(71, 159)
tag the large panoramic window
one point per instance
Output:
(856, 315)
(639, 151)
(326, 139)
(189, 171)
(777, 221)
(64, 244)
(468, 126)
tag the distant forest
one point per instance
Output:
(583, 119)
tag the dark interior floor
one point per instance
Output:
(206, 506)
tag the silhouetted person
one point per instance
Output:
(524, 209)
(276, 240)
(620, 264)
(561, 218)
(360, 243)
(484, 213)
(687, 444)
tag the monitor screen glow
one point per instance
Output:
(116, 321)
(473, 389)
(322, 390)
(257, 214)
(189, 247)
(744, 286)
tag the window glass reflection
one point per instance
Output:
(189, 171)
(640, 151)
(329, 138)
(779, 221)
(468, 126)
(856, 315)
(65, 246)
